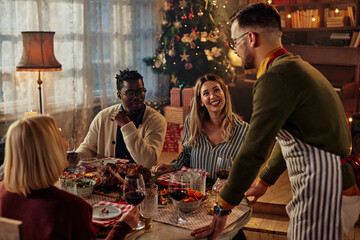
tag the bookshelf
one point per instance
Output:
(324, 33)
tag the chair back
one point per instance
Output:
(11, 229)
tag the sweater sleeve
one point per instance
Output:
(88, 148)
(146, 150)
(273, 103)
(274, 167)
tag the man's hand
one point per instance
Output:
(121, 118)
(163, 168)
(256, 191)
(213, 230)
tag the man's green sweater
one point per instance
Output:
(294, 96)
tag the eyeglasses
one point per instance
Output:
(133, 93)
(232, 43)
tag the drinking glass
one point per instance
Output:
(222, 170)
(134, 192)
(149, 207)
(178, 188)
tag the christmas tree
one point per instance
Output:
(193, 41)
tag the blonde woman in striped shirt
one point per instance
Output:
(210, 130)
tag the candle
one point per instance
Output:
(30, 114)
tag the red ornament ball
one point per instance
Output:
(171, 4)
(188, 66)
(184, 17)
(200, 14)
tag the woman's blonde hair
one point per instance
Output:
(199, 114)
(34, 155)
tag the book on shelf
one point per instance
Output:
(357, 41)
(351, 15)
(305, 18)
(342, 36)
(353, 38)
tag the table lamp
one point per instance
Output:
(38, 55)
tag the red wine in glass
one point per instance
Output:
(222, 174)
(178, 194)
(134, 192)
(178, 188)
(134, 198)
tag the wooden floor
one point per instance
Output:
(269, 220)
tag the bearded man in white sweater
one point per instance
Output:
(130, 130)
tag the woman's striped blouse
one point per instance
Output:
(204, 156)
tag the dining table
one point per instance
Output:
(163, 224)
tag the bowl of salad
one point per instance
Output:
(84, 187)
(191, 202)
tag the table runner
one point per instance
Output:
(200, 217)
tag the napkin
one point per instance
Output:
(123, 206)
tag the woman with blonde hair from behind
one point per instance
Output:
(210, 130)
(35, 157)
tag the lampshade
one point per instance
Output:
(38, 52)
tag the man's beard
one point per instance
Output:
(248, 59)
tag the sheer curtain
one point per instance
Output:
(93, 40)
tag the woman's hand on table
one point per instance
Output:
(131, 217)
(163, 168)
(213, 230)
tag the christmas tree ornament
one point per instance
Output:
(186, 38)
(221, 25)
(191, 14)
(216, 31)
(177, 24)
(172, 52)
(203, 36)
(171, 4)
(157, 64)
(214, 53)
(200, 13)
(192, 45)
(183, 17)
(212, 37)
(161, 57)
(184, 57)
(188, 66)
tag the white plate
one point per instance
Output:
(98, 214)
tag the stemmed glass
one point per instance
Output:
(222, 170)
(134, 192)
(178, 188)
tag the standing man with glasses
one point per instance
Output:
(295, 106)
(130, 130)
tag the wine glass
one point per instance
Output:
(222, 170)
(178, 188)
(134, 192)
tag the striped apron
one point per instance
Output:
(316, 185)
